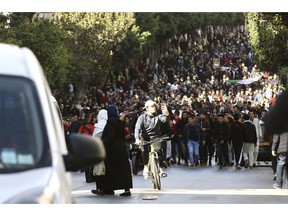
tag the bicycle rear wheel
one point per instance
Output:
(155, 173)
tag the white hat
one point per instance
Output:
(149, 103)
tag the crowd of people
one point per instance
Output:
(216, 96)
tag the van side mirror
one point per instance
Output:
(83, 151)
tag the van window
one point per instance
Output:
(23, 137)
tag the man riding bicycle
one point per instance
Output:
(147, 128)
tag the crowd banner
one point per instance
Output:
(244, 81)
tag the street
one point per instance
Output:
(197, 185)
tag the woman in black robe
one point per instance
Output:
(118, 172)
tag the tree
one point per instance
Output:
(131, 47)
(46, 39)
(148, 22)
(94, 37)
(269, 37)
(83, 48)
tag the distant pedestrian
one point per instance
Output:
(98, 131)
(221, 136)
(87, 126)
(99, 126)
(182, 145)
(204, 144)
(280, 149)
(74, 125)
(250, 141)
(71, 91)
(192, 138)
(236, 138)
(255, 120)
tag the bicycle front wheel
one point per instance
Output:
(155, 174)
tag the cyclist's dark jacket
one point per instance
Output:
(148, 126)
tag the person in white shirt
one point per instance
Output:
(256, 122)
(174, 86)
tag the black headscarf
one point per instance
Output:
(112, 112)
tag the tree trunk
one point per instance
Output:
(79, 93)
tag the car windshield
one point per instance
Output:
(23, 141)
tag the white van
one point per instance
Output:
(35, 158)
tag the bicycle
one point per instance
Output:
(153, 162)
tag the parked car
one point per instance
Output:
(264, 152)
(35, 158)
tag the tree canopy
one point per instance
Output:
(83, 48)
(269, 36)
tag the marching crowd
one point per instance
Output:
(216, 96)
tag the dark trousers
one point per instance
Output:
(182, 150)
(211, 149)
(174, 146)
(89, 177)
(274, 164)
(237, 147)
(164, 150)
(185, 155)
(203, 152)
(222, 149)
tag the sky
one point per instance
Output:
(143, 6)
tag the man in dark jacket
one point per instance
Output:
(280, 149)
(192, 138)
(182, 149)
(206, 138)
(75, 125)
(236, 138)
(221, 136)
(250, 140)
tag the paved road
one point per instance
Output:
(186, 185)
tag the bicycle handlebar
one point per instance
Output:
(158, 139)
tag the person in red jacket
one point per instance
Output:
(87, 126)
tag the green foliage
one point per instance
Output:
(3, 21)
(167, 26)
(131, 47)
(283, 74)
(46, 39)
(48, 42)
(148, 22)
(83, 48)
(93, 40)
(16, 19)
(160, 25)
(163, 26)
(189, 22)
(269, 37)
